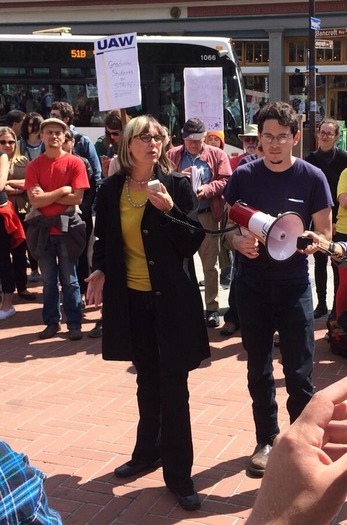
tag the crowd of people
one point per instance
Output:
(53, 180)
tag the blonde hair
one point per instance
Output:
(16, 153)
(135, 127)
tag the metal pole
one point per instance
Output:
(312, 78)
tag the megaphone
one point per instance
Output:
(278, 234)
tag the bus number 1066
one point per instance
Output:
(207, 58)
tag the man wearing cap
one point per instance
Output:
(250, 142)
(55, 182)
(213, 168)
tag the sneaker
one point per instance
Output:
(5, 314)
(35, 277)
(50, 331)
(96, 331)
(212, 319)
(75, 334)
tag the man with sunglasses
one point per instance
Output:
(274, 294)
(249, 140)
(107, 145)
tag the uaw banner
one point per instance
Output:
(117, 71)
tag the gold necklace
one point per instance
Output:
(131, 202)
(140, 181)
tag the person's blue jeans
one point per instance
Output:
(264, 308)
(57, 268)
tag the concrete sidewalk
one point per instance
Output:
(75, 416)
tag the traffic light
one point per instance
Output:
(298, 81)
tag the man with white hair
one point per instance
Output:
(213, 168)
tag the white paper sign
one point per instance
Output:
(117, 71)
(203, 95)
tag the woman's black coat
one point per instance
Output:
(169, 249)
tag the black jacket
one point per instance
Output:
(169, 249)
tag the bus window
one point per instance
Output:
(171, 112)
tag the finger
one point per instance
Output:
(337, 392)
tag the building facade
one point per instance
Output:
(271, 38)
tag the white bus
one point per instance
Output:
(63, 65)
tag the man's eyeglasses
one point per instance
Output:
(250, 139)
(281, 139)
(113, 133)
(328, 134)
(9, 142)
(145, 137)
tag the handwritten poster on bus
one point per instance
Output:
(203, 95)
(117, 71)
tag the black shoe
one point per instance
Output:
(97, 330)
(50, 331)
(74, 334)
(190, 502)
(320, 310)
(130, 469)
(229, 328)
(28, 296)
(212, 319)
(259, 459)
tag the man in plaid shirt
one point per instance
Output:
(22, 496)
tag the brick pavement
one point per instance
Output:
(75, 416)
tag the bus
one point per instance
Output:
(62, 67)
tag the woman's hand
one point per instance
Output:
(160, 199)
(95, 286)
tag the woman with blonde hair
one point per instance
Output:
(152, 307)
(17, 196)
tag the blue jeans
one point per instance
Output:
(57, 268)
(264, 308)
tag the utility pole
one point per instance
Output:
(312, 76)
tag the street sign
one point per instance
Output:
(324, 44)
(331, 32)
(315, 23)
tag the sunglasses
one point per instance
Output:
(250, 139)
(113, 133)
(9, 142)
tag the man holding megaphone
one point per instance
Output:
(272, 281)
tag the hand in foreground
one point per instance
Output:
(305, 480)
(95, 286)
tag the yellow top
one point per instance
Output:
(135, 259)
(341, 221)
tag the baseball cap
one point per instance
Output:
(193, 129)
(53, 120)
(251, 130)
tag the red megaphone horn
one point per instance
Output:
(278, 234)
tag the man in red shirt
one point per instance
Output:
(55, 182)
